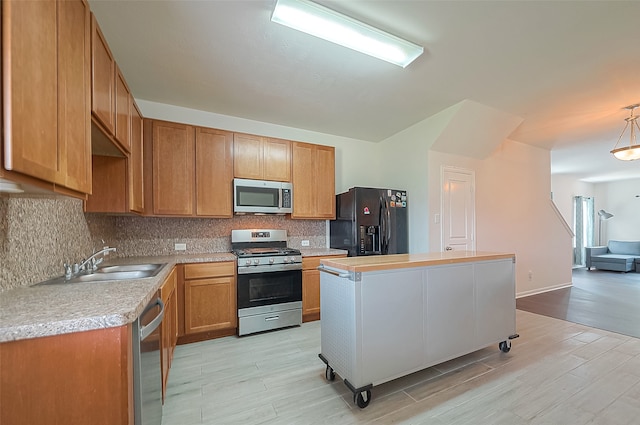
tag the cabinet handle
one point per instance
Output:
(333, 272)
(269, 319)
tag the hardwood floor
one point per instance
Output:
(602, 299)
(557, 372)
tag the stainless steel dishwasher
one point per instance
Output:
(147, 373)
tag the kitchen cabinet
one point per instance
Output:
(46, 126)
(173, 176)
(117, 180)
(76, 378)
(110, 95)
(103, 80)
(169, 327)
(191, 170)
(214, 173)
(313, 178)
(136, 162)
(210, 299)
(311, 287)
(261, 158)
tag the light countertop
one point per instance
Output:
(403, 261)
(45, 310)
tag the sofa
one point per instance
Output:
(620, 256)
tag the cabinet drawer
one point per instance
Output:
(201, 270)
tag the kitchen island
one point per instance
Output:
(387, 316)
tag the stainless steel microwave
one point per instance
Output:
(262, 197)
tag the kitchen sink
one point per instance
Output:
(131, 268)
(107, 273)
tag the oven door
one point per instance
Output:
(267, 288)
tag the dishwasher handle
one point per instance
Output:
(147, 330)
(333, 272)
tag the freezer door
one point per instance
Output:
(394, 222)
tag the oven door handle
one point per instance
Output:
(334, 272)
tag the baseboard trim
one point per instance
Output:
(540, 291)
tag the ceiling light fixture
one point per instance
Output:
(330, 25)
(632, 151)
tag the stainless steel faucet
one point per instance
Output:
(89, 265)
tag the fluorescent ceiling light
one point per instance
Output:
(321, 22)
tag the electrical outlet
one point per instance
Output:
(305, 243)
(180, 247)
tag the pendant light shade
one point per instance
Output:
(631, 151)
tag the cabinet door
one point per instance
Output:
(122, 111)
(310, 295)
(173, 168)
(277, 160)
(74, 95)
(109, 185)
(313, 177)
(210, 304)
(247, 156)
(325, 182)
(214, 173)
(136, 164)
(102, 79)
(30, 88)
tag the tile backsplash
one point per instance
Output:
(39, 233)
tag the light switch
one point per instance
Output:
(436, 218)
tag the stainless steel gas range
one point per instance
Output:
(269, 284)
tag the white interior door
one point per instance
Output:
(458, 209)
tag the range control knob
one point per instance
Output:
(247, 262)
(271, 260)
(256, 261)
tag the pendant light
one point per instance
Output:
(632, 151)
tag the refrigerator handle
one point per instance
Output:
(384, 224)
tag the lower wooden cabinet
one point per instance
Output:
(210, 300)
(311, 287)
(76, 378)
(169, 327)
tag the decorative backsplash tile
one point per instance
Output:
(39, 233)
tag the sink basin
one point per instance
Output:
(106, 273)
(131, 268)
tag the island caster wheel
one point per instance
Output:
(505, 346)
(362, 399)
(329, 374)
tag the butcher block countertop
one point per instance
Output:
(405, 261)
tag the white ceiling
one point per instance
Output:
(567, 68)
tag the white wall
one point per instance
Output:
(513, 213)
(565, 188)
(619, 198)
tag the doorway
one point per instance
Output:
(458, 210)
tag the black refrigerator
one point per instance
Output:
(370, 221)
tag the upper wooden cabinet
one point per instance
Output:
(173, 168)
(313, 170)
(118, 185)
(136, 162)
(261, 158)
(110, 95)
(191, 170)
(214, 173)
(45, 89)
(103, 79)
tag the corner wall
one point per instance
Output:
(513, 213)
(619, 198)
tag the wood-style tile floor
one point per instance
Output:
(557, 372)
